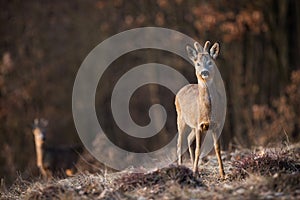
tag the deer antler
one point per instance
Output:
(206, 45)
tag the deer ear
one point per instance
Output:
(214, 50)
(192, 53)
(198, 47)
(44, 122)
(36, 122)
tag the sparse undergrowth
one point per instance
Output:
(267, 163)
(259, 174)
(180, 175)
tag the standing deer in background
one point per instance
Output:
(53, 160)
(194, 106)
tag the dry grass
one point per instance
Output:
(251, 174)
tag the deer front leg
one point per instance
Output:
(43, 172)
(197, 151)
(218, 154)
(179, 142)
(190, 139)
(181, 126)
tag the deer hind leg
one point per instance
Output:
(69, 172)
(197, 151)
(181, 126)
(191, 138)
(218, 154)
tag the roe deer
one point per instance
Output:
(194, 106)
(53, 160)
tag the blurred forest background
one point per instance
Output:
(42, 44)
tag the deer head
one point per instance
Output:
(202, 59)
(38, 130)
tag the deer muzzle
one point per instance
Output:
(204, 74)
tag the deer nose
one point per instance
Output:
(204, 74)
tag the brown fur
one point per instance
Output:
(53, 161)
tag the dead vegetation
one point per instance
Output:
(43, 44)
(258, 173)
(180, 175)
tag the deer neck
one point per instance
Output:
(204, 101)
(39, 144)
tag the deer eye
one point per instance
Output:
(198, 64)
(209, 62)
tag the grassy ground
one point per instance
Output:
(272, 173)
